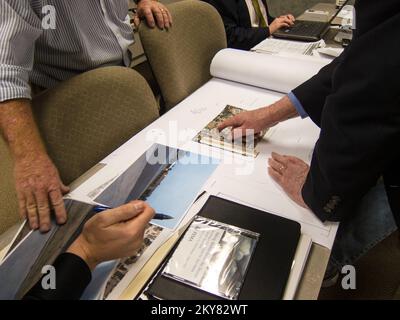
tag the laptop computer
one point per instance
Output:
(304, 30)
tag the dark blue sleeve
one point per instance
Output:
(72, 277)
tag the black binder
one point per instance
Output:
(269, 267)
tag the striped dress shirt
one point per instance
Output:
(88, 34)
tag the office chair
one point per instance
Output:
(81, 121)
(180, 57)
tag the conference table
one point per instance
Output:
(313, 273)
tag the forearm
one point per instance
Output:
(280, 111)
(72, 278)
(19, 129)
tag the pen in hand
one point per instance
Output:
(157, 216)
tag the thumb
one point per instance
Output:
(122, 214)
(136, 20)
(64, 189)
(143, 219)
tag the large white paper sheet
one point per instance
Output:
(294, 137)
(271, 72)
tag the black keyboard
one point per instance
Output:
(303, 30)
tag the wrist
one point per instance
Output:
(81, 248)
(30, 154)
(282, 110)
(271, 29)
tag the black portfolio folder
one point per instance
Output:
(269, 267)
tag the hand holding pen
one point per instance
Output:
(112, 234)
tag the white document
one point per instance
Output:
(272, 72)
(348, 16)
(278, 46)
(330, 52)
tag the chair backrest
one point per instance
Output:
(8, 196)
(180, 57)
(81, 121)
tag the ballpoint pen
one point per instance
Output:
(157, 216)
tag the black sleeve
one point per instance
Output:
(360, 122)
(72, 277)
(238, 37)
(312, 93)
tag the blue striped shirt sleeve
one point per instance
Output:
(19, 29)
(86, 35)
(297, 104)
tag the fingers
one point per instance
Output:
(36, 207)
(57, 202)
(136, 227)
(165, 19)
(64, 189)
(43, 209)
(154, 13)
(166, 16)
(23, 212)
(136, 20)
(121, 214)
(144, 218)
(169, 16)
(283, 24)
(279, 158)
(159, 17)
(277, 166)
(291, 17)
(32, 211)
(285, 21)
(148, 15)
(235, 121)
(275, 175)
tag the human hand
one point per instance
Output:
(281, 22)
(260, 119)
(39, 188)
(248, 122)
(153, 11)
(290, 173)
(112, 234)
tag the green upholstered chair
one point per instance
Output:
(81, 121)
(181, 56)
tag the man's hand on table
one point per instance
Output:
(38, 184)
(39, 189)
(248, 122)
(154, 13)
(257, 120)
(284, 21)
(290, 173)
